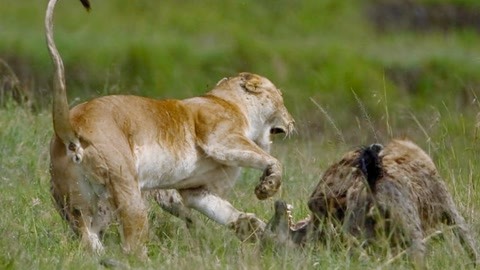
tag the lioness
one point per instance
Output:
(395, 188)
(106, 151)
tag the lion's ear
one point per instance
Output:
(250, 82)
(221, 81)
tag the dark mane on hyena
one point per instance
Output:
(370, 164)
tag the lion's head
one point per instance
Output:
(261, 100)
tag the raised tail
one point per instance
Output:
(370, 164)
(61, 112)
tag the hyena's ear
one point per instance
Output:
(250, 82)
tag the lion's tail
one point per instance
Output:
(370, 164)
(61, 112)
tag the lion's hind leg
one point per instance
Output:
(130, 208)
(118, 191)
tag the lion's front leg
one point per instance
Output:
(239, 151)
(246, 226)
(270, 182)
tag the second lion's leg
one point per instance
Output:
(171, 201)
(74, 197)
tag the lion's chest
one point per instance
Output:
(159, 167)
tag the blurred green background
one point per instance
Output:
(352, 72)
(407, 57)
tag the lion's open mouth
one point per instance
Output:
(277, 130)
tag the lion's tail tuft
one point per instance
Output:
(86, 4)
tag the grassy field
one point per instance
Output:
(374, 85)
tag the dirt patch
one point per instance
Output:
(391, 15)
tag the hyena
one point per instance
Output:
(395, 188)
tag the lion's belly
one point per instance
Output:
(160, 168)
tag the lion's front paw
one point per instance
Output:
(248, 227)
(268, 186)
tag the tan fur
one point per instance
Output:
(408, 200)
(410, 194)
(106, 152)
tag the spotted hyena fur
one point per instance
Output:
(395, 188)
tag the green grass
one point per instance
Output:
(35, 237)
(321, 50)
